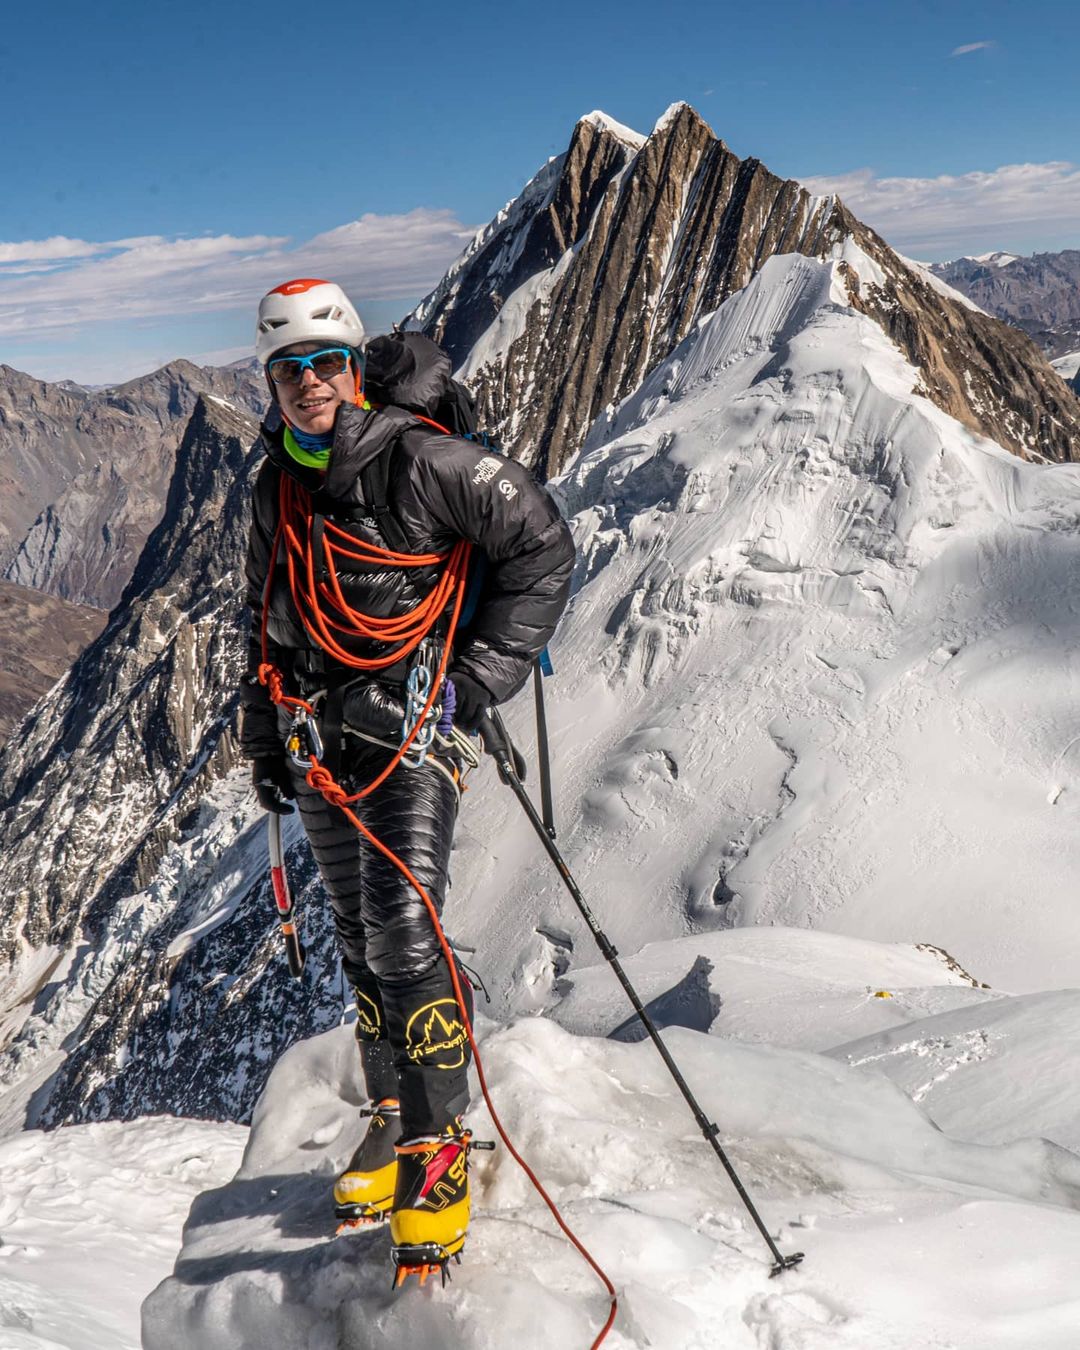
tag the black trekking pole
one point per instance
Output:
(497, 743)
(279, 880)
(547, 803)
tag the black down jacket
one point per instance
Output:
(440, 488)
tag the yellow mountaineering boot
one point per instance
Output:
(430, 1217)
(365, 1190)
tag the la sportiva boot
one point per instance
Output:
(364, 1192)
(430, 1217)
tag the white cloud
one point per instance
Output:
(934, 213)
(972, 47)
(59, 248)
(153, 277)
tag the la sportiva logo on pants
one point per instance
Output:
(435, 1036)
(368, 1021)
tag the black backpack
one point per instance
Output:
(411, 372)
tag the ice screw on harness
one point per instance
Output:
(498, 745)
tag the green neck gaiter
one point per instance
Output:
(315, 458)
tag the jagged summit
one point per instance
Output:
(674, 112)
(612, 255)
(603, 122)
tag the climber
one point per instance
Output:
(339, 581)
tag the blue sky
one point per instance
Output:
(186, 158)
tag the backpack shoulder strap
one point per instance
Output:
(375, 481)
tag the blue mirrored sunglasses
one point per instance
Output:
(327, 363)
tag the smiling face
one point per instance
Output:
(312, 404)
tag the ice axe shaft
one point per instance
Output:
(279, 880)
(498, 744)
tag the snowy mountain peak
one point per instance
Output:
(603, 122)
(672, 113)
(576, 295)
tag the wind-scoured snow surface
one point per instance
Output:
(965, 1237)
(90, 1216)
(910, 1233)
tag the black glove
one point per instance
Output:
(273, 784)
(473, 701)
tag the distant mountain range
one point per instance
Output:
(1040, 294)
(84, 472)
(40, 636)
(83, 479)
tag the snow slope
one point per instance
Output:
(963, 1236)
(987, 1071)
(911, 1234)
(821, 668)
(776, 986)
(1067, 366)
(90, 1218)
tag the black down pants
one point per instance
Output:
(413, 1044)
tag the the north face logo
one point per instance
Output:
(486, 470)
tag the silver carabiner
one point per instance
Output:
(302, 735)
(418, 685)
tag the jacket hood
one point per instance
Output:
(407, 370)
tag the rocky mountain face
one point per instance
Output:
(40, 637)
(655, 234)
(1040, 294)
(98, 795)
(84, 473)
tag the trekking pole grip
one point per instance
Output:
(501, 748)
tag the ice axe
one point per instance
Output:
(498, 745)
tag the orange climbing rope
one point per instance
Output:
(323, 610)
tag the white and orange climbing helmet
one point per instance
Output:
(305, 310)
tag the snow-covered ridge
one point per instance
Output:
(778, 491)
(518, 211)
(648, 263)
